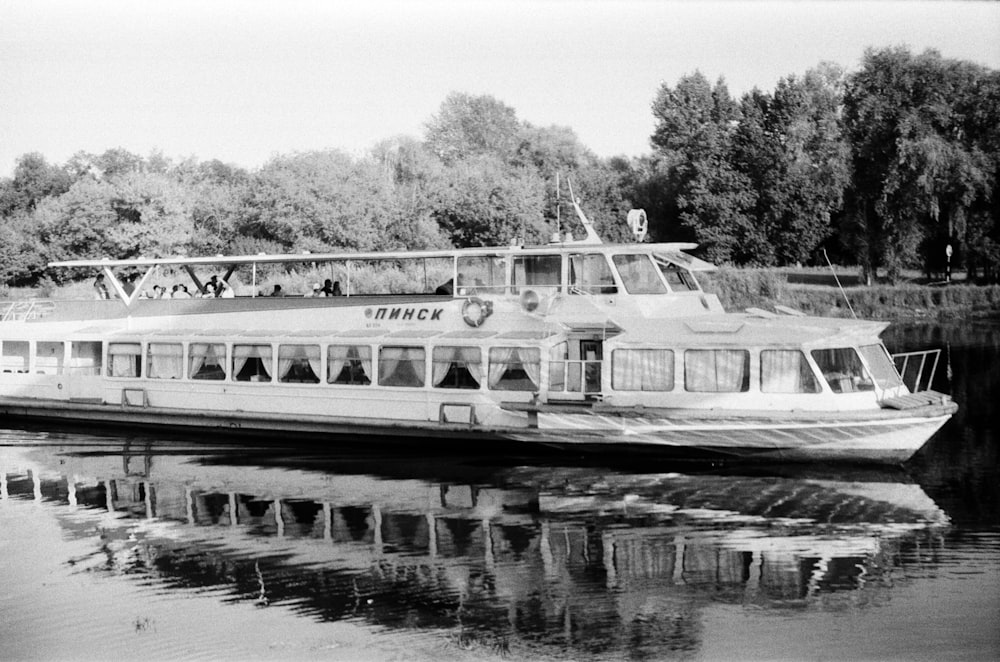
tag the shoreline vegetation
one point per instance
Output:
(815, 292)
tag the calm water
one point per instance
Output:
(152, 548)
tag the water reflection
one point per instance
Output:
(552, 558)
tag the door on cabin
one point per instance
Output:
(592, 354)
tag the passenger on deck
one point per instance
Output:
(210, 290)
(336, 290)
(317, 291)
(276, 292)
(180, 292)
(100, 288)
(328, 288)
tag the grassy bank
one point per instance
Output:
(763, 288)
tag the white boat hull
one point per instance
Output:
(879, 437)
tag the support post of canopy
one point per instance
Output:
(115, 285)
(194, 277)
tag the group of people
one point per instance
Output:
(214, 288)
(330, 288)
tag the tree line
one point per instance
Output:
(883, 168)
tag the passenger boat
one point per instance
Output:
(576, 344)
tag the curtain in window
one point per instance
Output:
(201, 353)
(503, 359)
(124, 359)
(781, 372)
(338, 357)
(401, 366)
(469, 358)
(242, 353)
(643, 370)
(289, 355)
(166, 361)
(715, 370)
(500, 358)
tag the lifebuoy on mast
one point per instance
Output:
(475, 311)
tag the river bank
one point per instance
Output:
(739, 289)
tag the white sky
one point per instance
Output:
(243, 80)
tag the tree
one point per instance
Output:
(486, 202)
(33, 180)
(916, 172)
(791, 147)
(694, 138)
(325, 199)
(467, 126)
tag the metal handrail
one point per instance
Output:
(914, 365)
(23, 310)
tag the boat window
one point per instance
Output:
(49, 358)
(349, 364)
(401, 366)
(252, 363)
(481, 275)
(642, 370)
(207, 361)
(678, 278)
(717, 370)
(515, 368)
(14, 356)
(165, 360)
(639, 274)
(457, 367)
(786, 371)
(85, 358)
(124, 359)
(536, 271)
(591, 274)
(299, 364)
(881, 366)
(843, 370)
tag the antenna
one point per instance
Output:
(558, 205)
(849, 306)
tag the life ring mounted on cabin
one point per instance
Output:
(476, 310)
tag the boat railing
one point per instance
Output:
(917, 369)
(575, 376)
(13, 311)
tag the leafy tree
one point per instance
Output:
(467, 126)
(21, 258)
(325, 197)
(118, 162)
(140, 214)
(76, 224)
(33, 180)
(153, 216)
(486, 202)
(791, 147)
(916, 175)
(694, 138)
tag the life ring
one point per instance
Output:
(475, 311)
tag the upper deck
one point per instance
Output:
(643, 279)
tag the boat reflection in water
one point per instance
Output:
(545, 558)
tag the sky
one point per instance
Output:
(242, 81)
